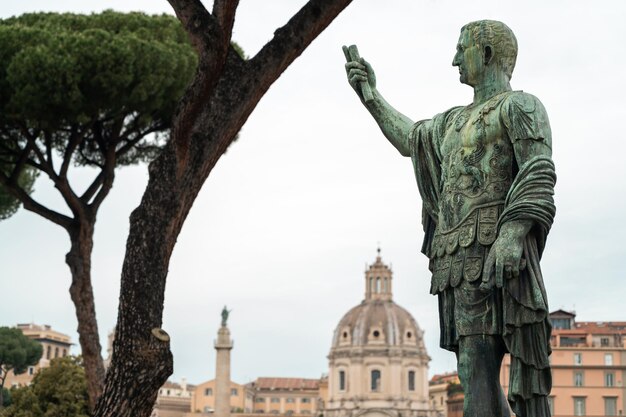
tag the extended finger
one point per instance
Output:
(488, 268)
(515, 270)
(508, 270)
(499, 273)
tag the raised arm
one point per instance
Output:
(394, 125)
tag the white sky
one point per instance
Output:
(291, 214)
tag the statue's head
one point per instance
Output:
(485, 44)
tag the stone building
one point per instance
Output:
(55, 345)
(588, 367)
(286, 396)
(439, 388)
(378, 365)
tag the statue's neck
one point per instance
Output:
(493, 84)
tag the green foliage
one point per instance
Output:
(57, 391)
(112, 76)
(9, 204)
(6, 398)
(17, 352)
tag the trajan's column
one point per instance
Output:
(223, 345)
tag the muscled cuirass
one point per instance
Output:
(477, 171)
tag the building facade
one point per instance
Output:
(440, 388)
(55, 345)
(204, 395)
(588, 367)
(378, 365)
(286, 396)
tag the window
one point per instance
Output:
(578, 358)
(234, 392)
(377, 285)
(48, 350)
(291, 400)
(608, 359)
(31, 370)
(64, 352)
(305, 400)
(551, 405)
(609, 379)
(604, 341)
(208, 392)
(375, 380)
(289, 413)
(411, 380)
(56, 352)
(275, 400)
(342, 380)
(579, 406)
(259, 400)
(561, 323)
(578, 379)
(610, 406)
(385, 288)
(372, 289)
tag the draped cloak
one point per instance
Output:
(525, 324)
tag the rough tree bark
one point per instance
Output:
(224, 92)
(81, 291)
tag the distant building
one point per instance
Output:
(378, 365)
(439, 388)
(54, 343)
(173, 400)
(286, 396)
(588, 367)
(203, 399)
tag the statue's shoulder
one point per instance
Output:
(521, 101)
(525, 117)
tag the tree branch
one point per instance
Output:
(212, 45)
(32, 205)
(292, 39)
(199, 24)
(44, 164)
(224, 11)
(75, 140)
(108, 175)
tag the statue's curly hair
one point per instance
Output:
(501, 39)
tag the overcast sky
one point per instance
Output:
(291, 214)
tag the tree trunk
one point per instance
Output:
(81, 291)
(211, 114)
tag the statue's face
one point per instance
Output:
(469, 58)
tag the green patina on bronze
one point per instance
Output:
(486, 178)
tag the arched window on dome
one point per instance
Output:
(385, 285)
(375, 380)
(372, 289)
(377, 285)
(342, 380)
(411, 380)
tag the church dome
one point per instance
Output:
(378, 321)
(378, 365)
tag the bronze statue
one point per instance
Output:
(486, 178)
(225, 314)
